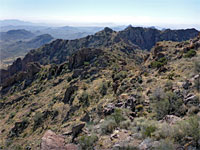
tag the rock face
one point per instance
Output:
(51, 141)
(146, 38)
(84, 55)
(18, 72)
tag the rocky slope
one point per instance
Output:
(103, 92)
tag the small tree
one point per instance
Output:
(197, 71)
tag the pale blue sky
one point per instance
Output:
(138, 12)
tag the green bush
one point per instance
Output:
(84, 98)
(148, 130)
(159, 63)
(191, 53)
(167, 104)
(108, 126)
(87, 142)
(118, 116)
(189, 128)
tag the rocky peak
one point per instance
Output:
(108, 30)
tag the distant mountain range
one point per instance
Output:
(16, 43)
(65, 32)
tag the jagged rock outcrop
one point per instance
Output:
(18, 72)
(83, 55)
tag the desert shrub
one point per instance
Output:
(185, 129)
(38, 119)
(165, 131)
(161, 108)
(191, 53)
(84, 98)
(149, 130)
(168, 85)
(118, 116)
(87, 142)
(171, 76)
(103, 88)
(158, 94)
(165, 145)
(159, 63)
(112, 121)
(147, 127)
(120, 76)
(108, 126)
(125, 124)
(166, 104)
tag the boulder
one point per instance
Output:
(52, 141)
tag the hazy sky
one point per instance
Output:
(138, 12)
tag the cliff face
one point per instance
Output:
(146, 38)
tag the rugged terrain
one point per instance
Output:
(105, 91)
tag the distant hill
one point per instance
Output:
(65, 32)
(19, 34)
(16, 43)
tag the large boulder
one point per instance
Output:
(52, 141)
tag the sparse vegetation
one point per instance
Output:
(191, 53)
(159, 63)
(87, 142)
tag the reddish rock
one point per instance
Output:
(51, 141)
